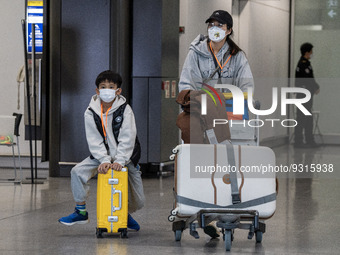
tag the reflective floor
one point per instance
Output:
(307, 218)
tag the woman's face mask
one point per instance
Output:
(107, 95)
(216, 34)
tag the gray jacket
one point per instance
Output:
(119, 153)
(199, 65)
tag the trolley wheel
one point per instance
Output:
(171, 218)
(258, 236)
(173, 212)
(178, 235)
(172, 157)
(99, 233)
(227, 240)
(232, 235)
(123, 234)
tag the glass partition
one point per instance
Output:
(318, 22)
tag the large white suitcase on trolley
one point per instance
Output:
(203, 174)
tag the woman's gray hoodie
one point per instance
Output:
(120, 153)
(199, 65)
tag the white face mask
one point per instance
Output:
(216, 34)
(310, 56)
(107, 95)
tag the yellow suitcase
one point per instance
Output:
(112, 203)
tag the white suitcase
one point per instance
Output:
(202, 178)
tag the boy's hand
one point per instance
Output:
(103, 168)
(116, 166)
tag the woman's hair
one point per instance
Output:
(234, 49)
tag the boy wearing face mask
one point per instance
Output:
(216, 52)
(111, 136)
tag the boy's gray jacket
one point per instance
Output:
(127, 135)
(199, 65)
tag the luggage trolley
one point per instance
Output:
(195, 206)
(227, 220)
(238, 214)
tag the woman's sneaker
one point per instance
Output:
(75, 218)
(132, 224)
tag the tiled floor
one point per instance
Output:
(306, 221)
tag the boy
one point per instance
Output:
(111, 136)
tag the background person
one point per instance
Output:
(305, 79)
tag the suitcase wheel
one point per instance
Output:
(178, 235)
(174, 212)
(99, 233)
(123, 233)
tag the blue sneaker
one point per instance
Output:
(75, 218)
(132, 223)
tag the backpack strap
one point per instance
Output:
(117, 120)
(98, 123)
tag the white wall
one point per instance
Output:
(319, 31)
(264, 36)
(261, 29)
(11, 59)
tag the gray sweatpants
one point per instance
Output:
(85, 170)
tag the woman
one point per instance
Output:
(216, 58)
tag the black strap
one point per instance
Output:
(117, 120)
(235, 194)
(98, 123)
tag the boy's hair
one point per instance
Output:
(110, 76)
(306, 47)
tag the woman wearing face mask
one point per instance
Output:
(211, 60)
(216, 58)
